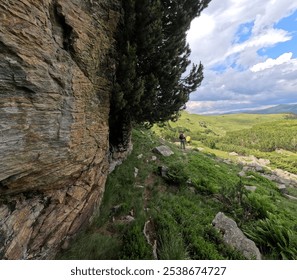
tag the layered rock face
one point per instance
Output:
(56, 75)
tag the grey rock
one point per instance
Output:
(139, 187)
(250, 188)
(125, 220)
(154, 158)
(116, 208)
(258, 168)
(136, 170)
(163, 170)
(163, 150)
(282, 188)
(263, 161)
(241, 174)
(234, 237)
(290, 197)
(246, 168)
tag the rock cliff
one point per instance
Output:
(56, 71)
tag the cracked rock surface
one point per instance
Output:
(55, 82)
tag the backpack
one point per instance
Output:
(181, 136)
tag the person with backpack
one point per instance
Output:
(182, 139)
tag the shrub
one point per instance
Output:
(92, 246)
(135, 246)
(274, 238)
(177, 173)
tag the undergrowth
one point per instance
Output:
(181, 207)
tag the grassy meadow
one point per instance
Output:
(273, 137)
(179, 209)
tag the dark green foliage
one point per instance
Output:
(265, 141)
(135, 246)
(274, 238)
(170, 241)
(206, 172)
(153, 55)
(177, 174)
(184, 229)
(92, 246)
(266, 137)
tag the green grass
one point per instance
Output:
(92, 246)
(181, 208)
(273, 137)
(199, 126)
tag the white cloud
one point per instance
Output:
(201, 27)
(233, 90)
(214, 41)
(249, 48)
(266, 39)
(269, 63)
(274, 10)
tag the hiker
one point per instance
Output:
(182, 139)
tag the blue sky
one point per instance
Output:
(289, 24)
(249, 52)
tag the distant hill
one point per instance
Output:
(278, 109)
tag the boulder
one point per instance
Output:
(163, 150)
(234, 237)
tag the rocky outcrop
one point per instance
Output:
(282, 177)
(56, 73)
(279, 176)
(234, 237)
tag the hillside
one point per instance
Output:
(266, 136)
(216, 125)
(278, 109)
(145, 216)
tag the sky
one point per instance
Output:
(249, 52)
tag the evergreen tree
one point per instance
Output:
(153, 57)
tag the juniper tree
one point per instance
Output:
(150, 84)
